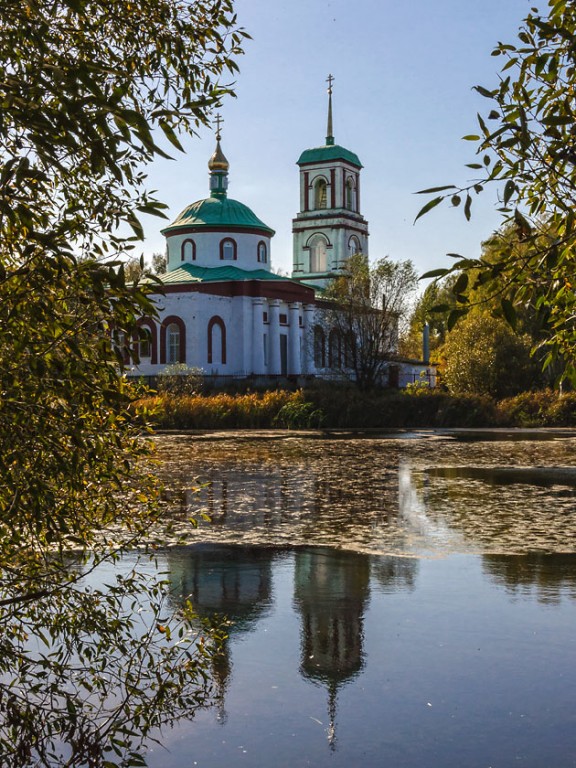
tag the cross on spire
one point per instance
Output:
(329, 131)
(218, 120)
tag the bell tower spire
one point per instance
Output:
(329, 129)
(329, 227)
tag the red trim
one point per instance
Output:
(358, 193)
(188, 230)
(286, 291)
(234, 246)
(330, 162)
(173, 320)
(217, 320)
(265, 259)
(152, 327)
(183, 246)
(306, 191)
(314, 226)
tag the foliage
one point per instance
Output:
(297, 414)
(158, 263)
(252, 410)
(433, 307)
(365, 307)
(83, 85)
(484, 356)
(546, 408)
(327, 406)
(181, 379)
(526, 145)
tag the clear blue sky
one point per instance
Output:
(403, 99)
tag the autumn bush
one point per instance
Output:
(217, 411)
(346, 407)
(545, 408)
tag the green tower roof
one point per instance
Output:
(220, 212)
(328, 153)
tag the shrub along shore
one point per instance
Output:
(346, 407)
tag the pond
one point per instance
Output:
(405, 600)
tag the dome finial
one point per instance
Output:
(329, 131)
(218, 165)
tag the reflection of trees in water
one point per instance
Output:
(552, 576)
(395, 573)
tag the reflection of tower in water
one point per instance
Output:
(331, 590)
(224, 582)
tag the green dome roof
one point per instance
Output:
(328, 153)
(220, 212)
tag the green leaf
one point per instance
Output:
(432, 190)
(428, 207)
(509, 313)
(461, 284)
(433, 273)
(454, 316)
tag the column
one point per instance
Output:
(258, 364)
(294, 360)
(308, 340)
(274, 367)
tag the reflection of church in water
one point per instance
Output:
(331, 593)
(231, 583)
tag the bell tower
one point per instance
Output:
(329, 227)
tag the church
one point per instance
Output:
(224, 311)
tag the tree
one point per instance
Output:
(158, 263)
(363, 311)
(483, 356)
(527, 146)
(86, 86)
(432, 308)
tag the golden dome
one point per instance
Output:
(218, 161)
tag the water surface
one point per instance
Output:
(390, 601)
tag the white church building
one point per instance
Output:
(222, 308)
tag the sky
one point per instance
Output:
(403, 99)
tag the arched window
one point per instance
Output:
(188, 252)
(320, 195)
(318, 254)
(144, 343)
(146, 337)
(228, 249)
(350, 194)
(172, 341)
(334, 349)
(354, 246)
(216, 341)
(319, 347)
(262, 252)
